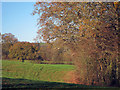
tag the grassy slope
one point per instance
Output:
(27, 75)
(44, 72)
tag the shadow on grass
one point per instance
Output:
(25, 83)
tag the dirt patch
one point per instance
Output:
(70, 77)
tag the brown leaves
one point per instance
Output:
(116, 4)
(80, 19)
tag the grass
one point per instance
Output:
(44, 72)
(28, 75)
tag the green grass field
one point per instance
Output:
(17, 74)
(44, 72)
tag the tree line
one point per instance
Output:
(14, 49)
(89, 31)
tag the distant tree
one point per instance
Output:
(0, 46)
(8, 40)
(45, 52)
(60, 52)
(23, 51)
(0, 38)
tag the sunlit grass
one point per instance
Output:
(44, 72)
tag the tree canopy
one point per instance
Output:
(8, 40)
(24, 51)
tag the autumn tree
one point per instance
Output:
(8, 40)
(60, 54)
(0, 46)
(55, 52)
(23, 51)
(90, 31)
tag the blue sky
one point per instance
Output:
(17, 19)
